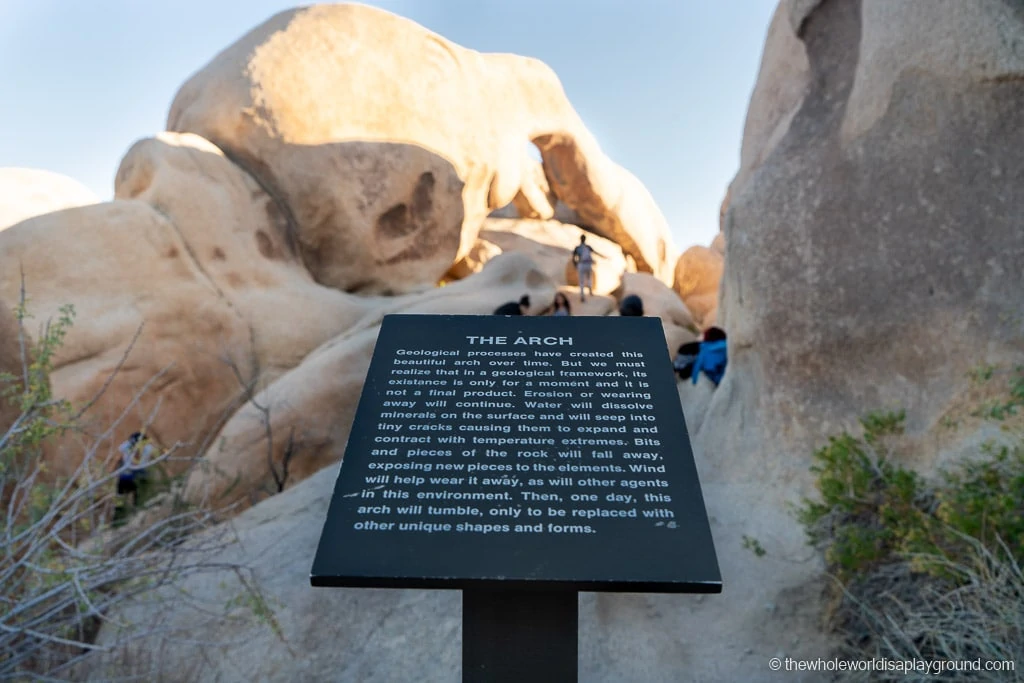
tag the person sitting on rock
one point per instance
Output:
(513, 308)
(632, 305)
(561, 306)
(685, 358)
(712, 356)
(583, 258)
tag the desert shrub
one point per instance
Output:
(64, 567)
(924, 568)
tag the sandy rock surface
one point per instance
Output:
(306, 415)
(416, 635)
(664, 303)
(869, 258)
(697, 277)
(190, 262)
(28, 192)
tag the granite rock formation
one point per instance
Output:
(29, 192)
(383, 187)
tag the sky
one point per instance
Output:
(662, 84)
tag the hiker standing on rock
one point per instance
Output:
(583, 258)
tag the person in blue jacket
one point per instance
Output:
(712, 356)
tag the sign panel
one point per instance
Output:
(519, 452)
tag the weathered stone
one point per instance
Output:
(901, 256)
(213, 627)
(592, 305)
(191, 258)
(474, 261)
(28, 192)
(298, 103)
(308, 412)
(238, 240)
(873, 251)
(782, 81)
(975, 42)
(718, 244)
(661, 302)
(534, 200)
(698, 274)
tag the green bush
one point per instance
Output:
(874, 511)
(924, 568)
(64, 568)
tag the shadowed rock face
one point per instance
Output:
(876, 248)
(872, 257)
(387, 145)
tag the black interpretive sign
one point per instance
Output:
(517, 452)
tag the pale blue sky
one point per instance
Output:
(662, 84)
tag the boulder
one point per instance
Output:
(534, 199)
(29, 192)
(124, 269)
(697, 276)
(300, 423)
(664, 303)
(238, 238)
(474, 261)
(898, 269)
(873, 251)
(722, 210)
(185, 294)
(967, 43)
(560, 212)
(782, 81)
(704, 309)
(384, 188)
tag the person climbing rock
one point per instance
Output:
(136, 454)
(632, 305)
(712, 356)
(513, 308)
(561, 305)
(583, 258)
